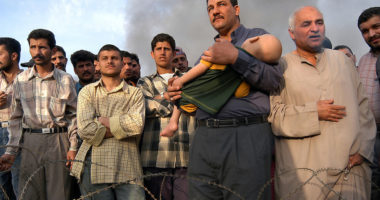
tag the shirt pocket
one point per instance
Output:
(57, 107)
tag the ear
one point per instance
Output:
(152, 54)
(291, 33)
(14, 57)
(237, 10)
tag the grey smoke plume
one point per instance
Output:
(187, 21)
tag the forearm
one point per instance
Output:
(193, 73)
(257, 74)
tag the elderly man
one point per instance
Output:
(321, 118)
(180, 60)
(369, 25)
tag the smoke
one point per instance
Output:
(187, 21)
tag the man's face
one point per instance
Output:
(371, 32)
(180, 62)
(136, 69)
(309, 30)
(5, 59)
(40, 51)
(59, 60)
(126, 71)
(348, 54)
(163, 54)
(110, 63)
(85, 71)
(97, 73)
(222, 15)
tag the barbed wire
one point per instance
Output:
(138, 180)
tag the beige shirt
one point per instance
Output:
(43, 103)
(114, 159)
(305, 142)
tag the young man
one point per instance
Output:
(131, 70)
(59, 58)
(322, 119)
(110, 120)
(228, 145)
(162, 154)
(44, 118)
(83, 62)
(369, 26)
(9, 58)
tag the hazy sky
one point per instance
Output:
(131, 24)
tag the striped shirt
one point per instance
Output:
(157, 151)
(42, 103)
(367, 73)
(116, 159)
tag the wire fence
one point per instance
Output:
(314, 176)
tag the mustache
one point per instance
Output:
(217, 17)
(86, 73)
(38, 56)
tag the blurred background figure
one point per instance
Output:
(346, 50)
(180, 61)
(59, 58)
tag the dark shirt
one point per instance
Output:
(78, 87)
(263, 79)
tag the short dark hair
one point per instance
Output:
(59, 48)
(125, 54)
(135, 57)
(11, 45)
(163, 37)
(109, 47)
(43, 34)
(367, 14)
(343, 47)
(233, 2)
(80, 56)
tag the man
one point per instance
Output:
(97, 74)
(110, 120)
(9, 58)
(44, 119)
(233, 148)
(369, 26)
(131, 70)
(347, 51)
(83, 62)
(164, 154)
(321, 117)
(59, 58)
(180, 60)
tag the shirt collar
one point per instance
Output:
(176, 73)
(236, 34)
(33, 73)
(122, 86)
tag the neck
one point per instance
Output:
(164, 70)
(226, 34)
(111, 83)
(309, 56)
(45, 69)
(11, 73)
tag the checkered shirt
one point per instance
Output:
(42, 103)
(114, 159)
(367, 72)
(157, 151)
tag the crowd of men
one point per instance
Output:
(100, 136)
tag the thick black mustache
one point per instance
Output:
(38, 56)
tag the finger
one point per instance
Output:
(207, 58)
(332, 119)
(338, 107)
(176, 97)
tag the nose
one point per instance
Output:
(314, 28)
(371, 32)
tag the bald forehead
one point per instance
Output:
(307, 12)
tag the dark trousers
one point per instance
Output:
(238, 158)
(166, 187)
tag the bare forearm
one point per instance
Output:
(194, 73)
